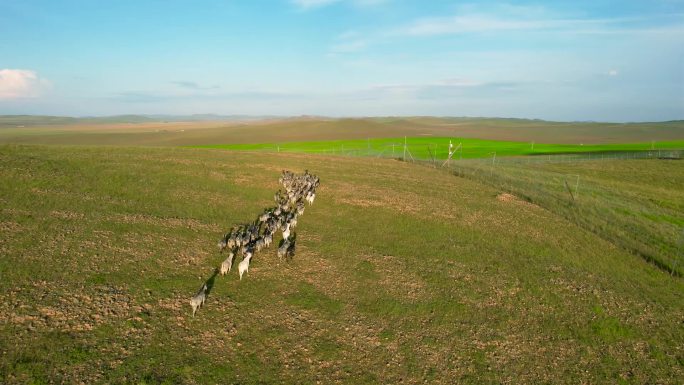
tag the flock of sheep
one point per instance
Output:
(245, 240)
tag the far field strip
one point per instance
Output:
(438, 147)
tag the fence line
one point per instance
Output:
(434, 153)
(621, 217)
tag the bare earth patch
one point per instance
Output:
(64, 309)
(510, 198)
(192, 224)
(396, 278)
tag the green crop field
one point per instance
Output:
(438, 147)
(403, 274)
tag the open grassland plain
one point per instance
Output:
(438, 147)
(403, 274)
(637, 204)
(140, 131)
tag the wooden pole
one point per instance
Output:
(569, 191)
(404, 149)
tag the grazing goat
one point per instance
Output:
(227, 264)
(243, 266)
(286, 231)
(259, 244)
(290, 252)
(198, 300)
(222, 244)
(284, 246)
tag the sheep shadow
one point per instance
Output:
(210, 282)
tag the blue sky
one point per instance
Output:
(557, 60)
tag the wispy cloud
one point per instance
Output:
(506, 20)
(193, 86)
(348, 46)
(349, 42)
(154, 96)
(312, 4)
(443, 89)
(470, 19)
(19, 83)
(309, 4)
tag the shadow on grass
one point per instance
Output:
(210, 282)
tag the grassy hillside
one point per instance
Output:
(637, 204)
(438, 147)
(323, 129)
(403, 274)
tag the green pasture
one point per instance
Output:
(438, 147)
(403, 274)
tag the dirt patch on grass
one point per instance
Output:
(396, 279)
(17, 212)
(50, 306)
(66, 215)
(402, 201)
(9, 227)
(187, 223)
(512, 199)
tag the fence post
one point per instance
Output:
(404, 149)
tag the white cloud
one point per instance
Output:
(612, 73)
(16, 84)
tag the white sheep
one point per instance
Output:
(243, 267)
(286, 231)
(227, 264)
(198, 300)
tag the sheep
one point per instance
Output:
(259, 244)
(286, 231)
(243, 266)
(265, 216)
(284, 246)
(310, 197)
(198, 300)
(227, 264)
(222, 244)
(291, 247)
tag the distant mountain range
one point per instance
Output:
(7, 121)
(33, 120)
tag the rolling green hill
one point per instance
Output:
(403, 274)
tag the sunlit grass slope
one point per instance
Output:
(403, 274)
